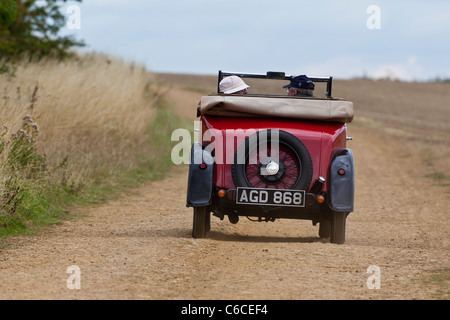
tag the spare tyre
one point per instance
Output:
(255, 165)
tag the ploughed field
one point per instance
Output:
(140, 246)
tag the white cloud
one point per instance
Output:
(408, 70)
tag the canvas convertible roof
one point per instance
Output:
(279, 106)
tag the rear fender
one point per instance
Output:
(342, 183)
(201, 177)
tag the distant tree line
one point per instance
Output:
(439, 79)
(30, 28)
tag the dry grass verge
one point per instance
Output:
(65, 127)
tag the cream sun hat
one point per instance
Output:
(232, 84)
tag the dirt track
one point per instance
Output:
(139, 246)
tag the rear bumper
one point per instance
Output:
(227, 205)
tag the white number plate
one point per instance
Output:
(271, 197)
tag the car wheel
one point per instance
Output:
(338, 222)
(201, 224)
(325, 228)
(293, 170)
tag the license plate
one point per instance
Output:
(271, 197)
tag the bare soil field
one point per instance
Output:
(140, 246)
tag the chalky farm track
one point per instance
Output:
(140, 247)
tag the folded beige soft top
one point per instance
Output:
(277, 106)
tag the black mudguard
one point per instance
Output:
(342, 187)
(201, 177)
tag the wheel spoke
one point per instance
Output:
(286, 179)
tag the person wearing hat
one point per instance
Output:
(233, 85)
(300, 86)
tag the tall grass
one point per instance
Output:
(68, 127)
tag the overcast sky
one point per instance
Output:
(406, 39)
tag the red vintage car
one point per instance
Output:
(267, 157)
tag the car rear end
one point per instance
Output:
(266, 158)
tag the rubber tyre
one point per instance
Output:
(325, 228)
(338, 222)
(287, 141)
(201, 223)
